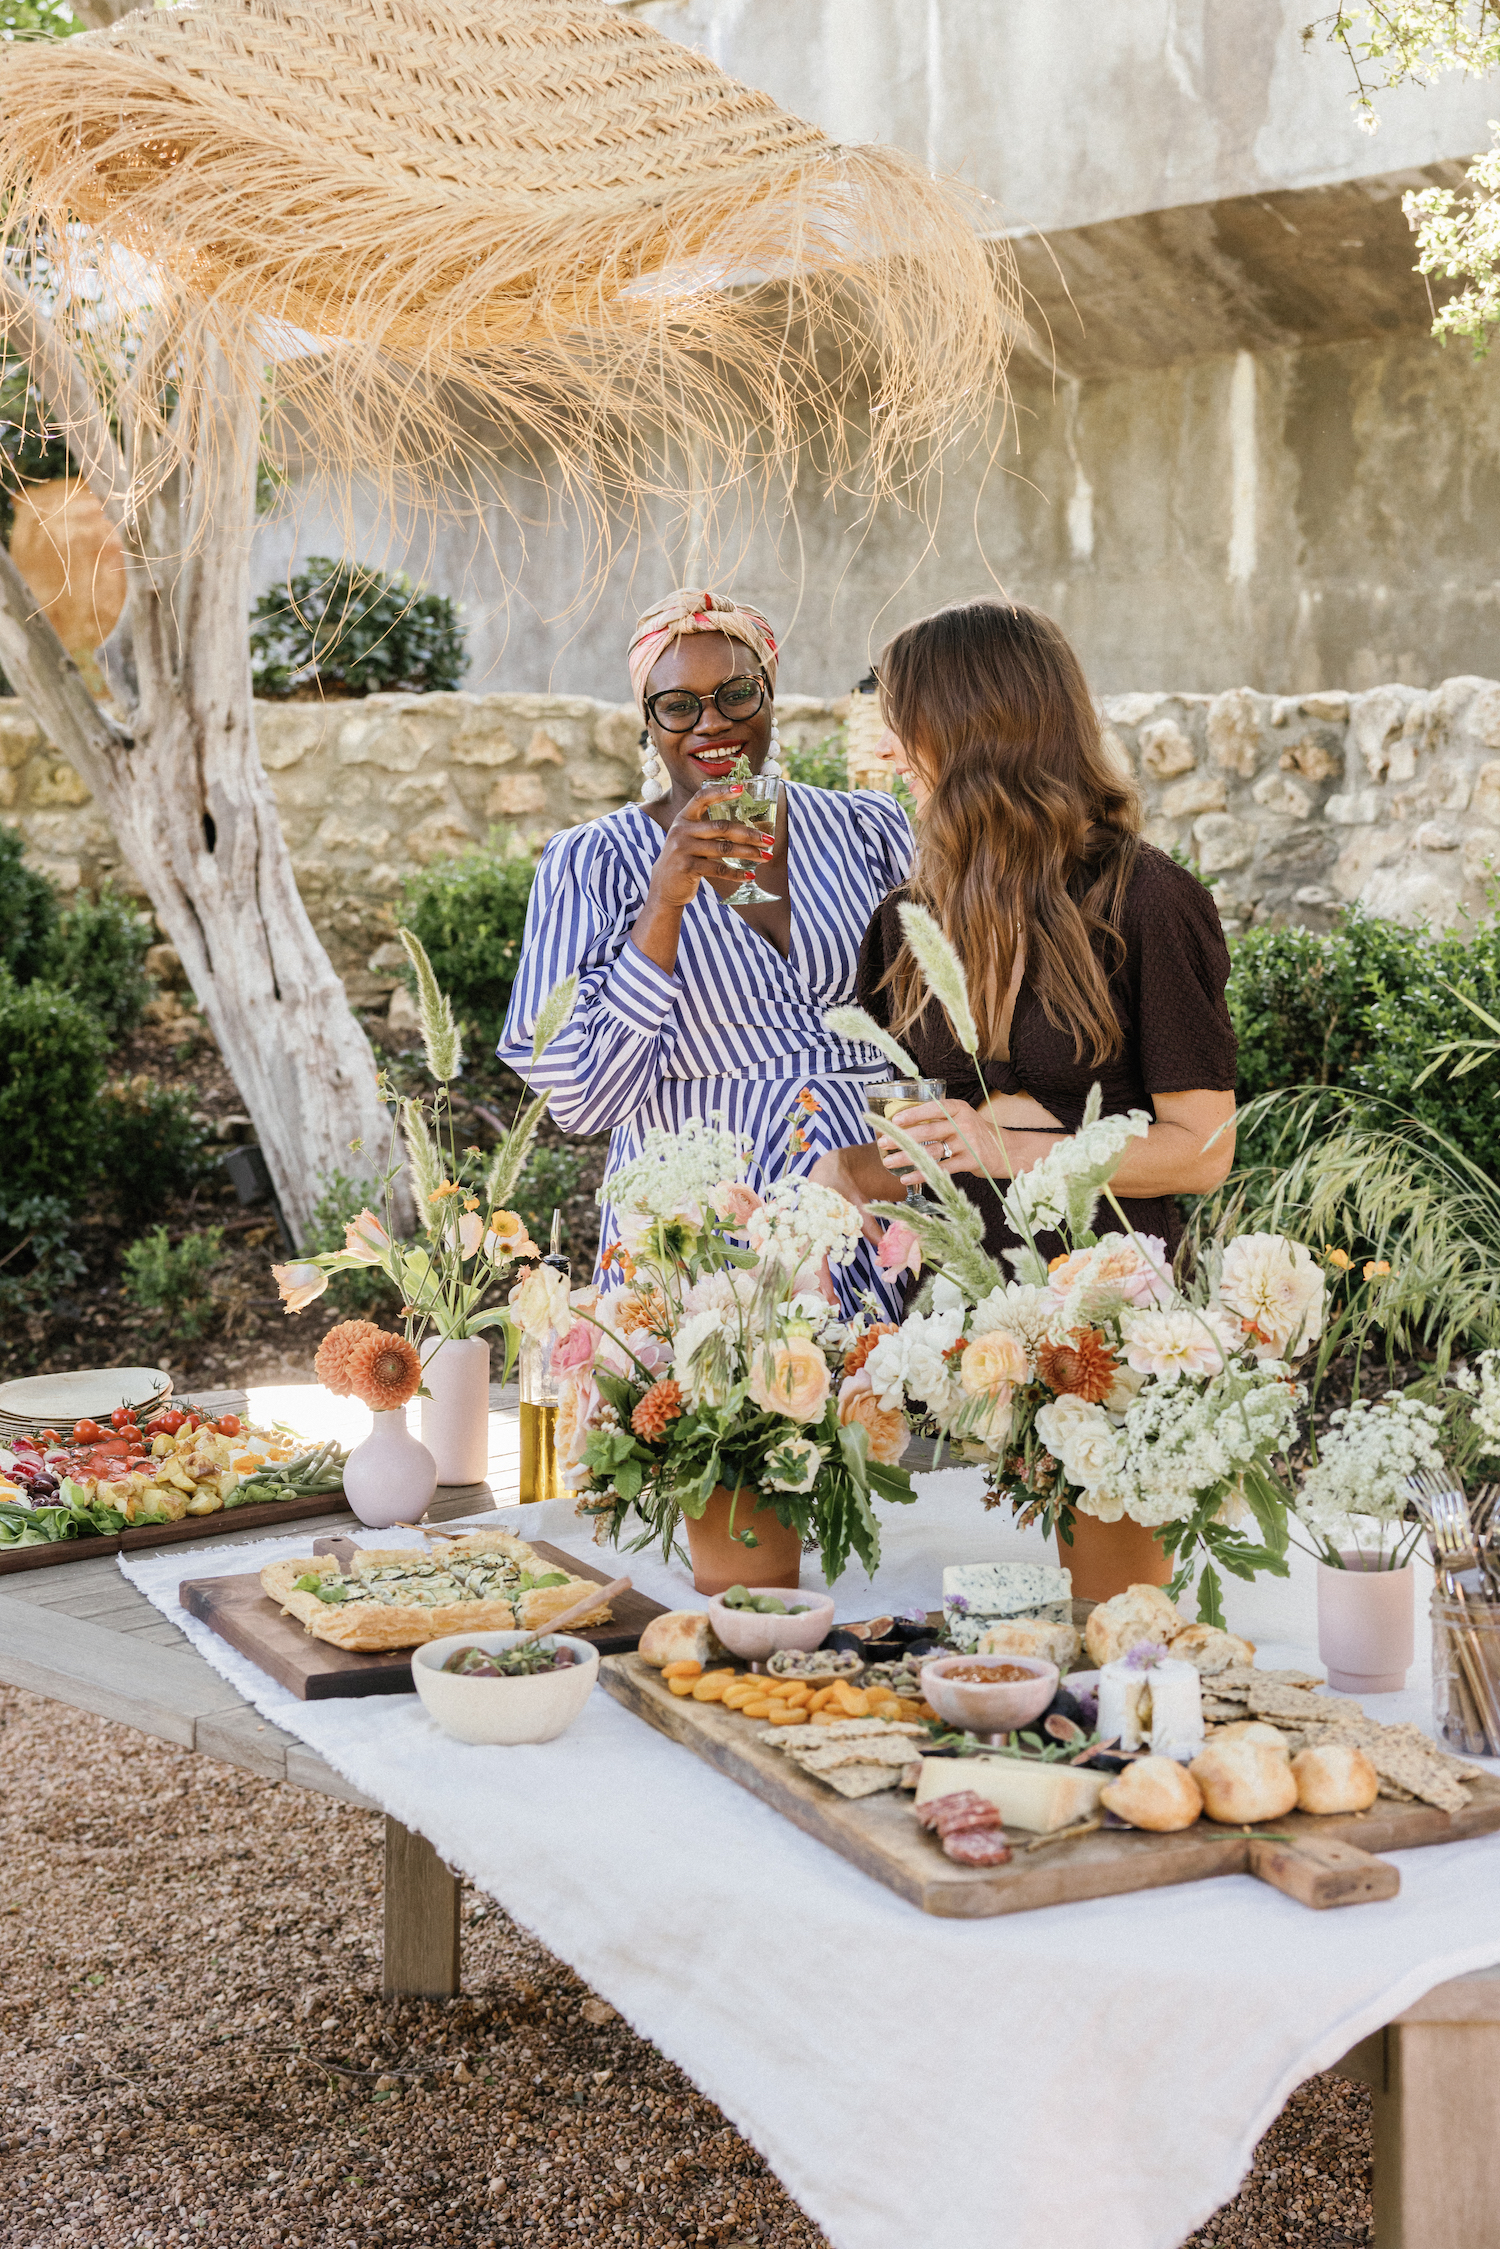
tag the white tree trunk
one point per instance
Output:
(192, 808)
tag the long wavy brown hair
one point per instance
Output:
(1029, 834)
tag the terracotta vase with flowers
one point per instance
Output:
(390, 1477)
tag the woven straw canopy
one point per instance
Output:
(542, 208)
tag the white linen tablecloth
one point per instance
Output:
(1091, 2076)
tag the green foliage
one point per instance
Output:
(28, 912)
(98, 953)
(1363, 1010)
(36, 1263)
(52, 1052)
(357, 1294)
(550, 1177)
(150, 1147)
(347, 630)
(821, 765)
(174, 1283)
(470, 914)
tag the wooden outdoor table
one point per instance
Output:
(80, 1634)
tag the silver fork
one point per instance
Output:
(1446, 1516)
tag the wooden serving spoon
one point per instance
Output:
(596, 1594)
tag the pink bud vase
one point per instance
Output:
(389, 1478)
(1366, 1626)
(456, 1411)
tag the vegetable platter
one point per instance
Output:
(99, 1486)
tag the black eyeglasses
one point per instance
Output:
(677, 710)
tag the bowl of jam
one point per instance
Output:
(989, 1694)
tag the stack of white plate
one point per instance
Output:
(56, 1401)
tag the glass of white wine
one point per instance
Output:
(887, 1099)
(754, 807)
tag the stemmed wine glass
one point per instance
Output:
(886, 1101)
(754, 807)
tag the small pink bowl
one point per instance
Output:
(752, 1637)
(1001, 1709)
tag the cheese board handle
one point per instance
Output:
(1320, 1871)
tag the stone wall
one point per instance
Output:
(1290, 805)
(369, 791)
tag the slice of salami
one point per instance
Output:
(977, 1846)
(962, 1804)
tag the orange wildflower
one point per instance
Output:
(860, 1349)
(384, 1371)
(336, 1351)
(808, 1101)
(661, 1406)
(1085, 1367)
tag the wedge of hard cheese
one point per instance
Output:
(1041, 1797)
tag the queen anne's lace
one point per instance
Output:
(676, 1173)
(800, 1223)
(1358, 1483)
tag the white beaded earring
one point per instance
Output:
(772, 767)
(653, 781)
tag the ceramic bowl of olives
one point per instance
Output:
(753, 1622)
(485, 1687)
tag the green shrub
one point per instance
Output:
(150, 1147)
(28, 912)
(1361, 1010)
(347, 630)
(174, 1283)
(470, 914)
(36, 1263)
(358, 1294)
(52, 1051)
(821, 765)
(98, 953)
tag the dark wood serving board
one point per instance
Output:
(264, 1516)
(879, 1835)
(237, 1609)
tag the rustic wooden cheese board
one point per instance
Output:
(1325, 1861)
(241, 1613)
(262, 1515)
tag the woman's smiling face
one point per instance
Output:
(702, 662)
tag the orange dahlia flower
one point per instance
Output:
(331, 1366)
(384, 1371)
(662, 1404)
(1083, 1367)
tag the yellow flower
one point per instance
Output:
(1339, 1258)
(1377, 1271)
(471, 1202)
(444, 1188)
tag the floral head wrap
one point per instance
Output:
(690, 612)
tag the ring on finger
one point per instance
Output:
(947, 1152)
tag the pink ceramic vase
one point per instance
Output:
(456, 1411)
(1366, 1626)
(389, 1478)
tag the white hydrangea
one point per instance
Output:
(1358, 1482)
(801, 1222)
(675, 1173)
(909, 1364)
(1484, 1384)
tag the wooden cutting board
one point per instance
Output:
(1327, 1861)
(238, 1610)
(264, 1515)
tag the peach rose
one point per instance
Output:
(887, 1433)
(734, 1202)
(993, 1362)
(798, 1379)
(899, 1251)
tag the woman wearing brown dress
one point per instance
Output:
(1090, 956)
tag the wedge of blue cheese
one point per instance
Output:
(979, 1594)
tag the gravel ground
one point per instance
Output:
(194, 2052)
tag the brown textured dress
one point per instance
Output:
(1168, 994)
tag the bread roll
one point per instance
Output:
(681, 1636)
(1143, 1612)
(1253, 1729)
(1336, 1778)
(1209, 1650)
(1244, 1781)
(1031, 1636)
(1155, 1793)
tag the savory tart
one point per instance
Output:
(397, 1597)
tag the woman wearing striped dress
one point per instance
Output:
(689, 1007)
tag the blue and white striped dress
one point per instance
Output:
(735, 1032)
